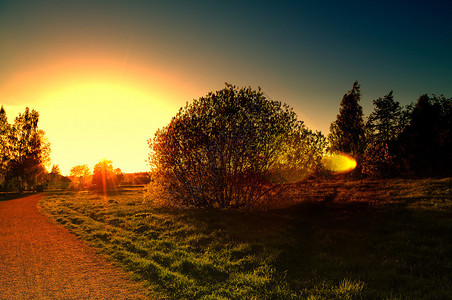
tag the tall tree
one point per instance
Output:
(382, 129)
(4, 144)
(384, 122)
(347, 132)
(29, 152)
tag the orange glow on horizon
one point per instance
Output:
(95, 108)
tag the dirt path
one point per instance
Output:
(40, 260)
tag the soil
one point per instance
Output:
(41, 260)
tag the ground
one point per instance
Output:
(331, 239)
(41, 260)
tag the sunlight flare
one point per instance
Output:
(339, 163)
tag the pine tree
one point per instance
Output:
(384, 123)
(347, 132)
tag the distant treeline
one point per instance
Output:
(25, 158)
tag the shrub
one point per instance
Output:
(232, 148)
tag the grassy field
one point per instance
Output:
(376, 240)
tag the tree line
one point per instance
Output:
(104, 176)
(413, 141)
(236, 148)
(25, 158)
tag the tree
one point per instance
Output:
(80, 176)
(425, 145)
(4, 144)
(28, 153)
(103, 175)
(55, 180)
(347, 132)
(225, 149)
(119, 176)
(382, 129)
(385, 121)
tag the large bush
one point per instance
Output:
(232, 148)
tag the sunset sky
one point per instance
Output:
(105, 75)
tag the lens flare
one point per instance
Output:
(339, 163)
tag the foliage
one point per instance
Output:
(425, 145)
(57, 181)
(25, 152)
(222, 150)
(409, 141)
(379, 240)
(383, 127)
(139, 178)
(80, 176)
(4, 144)
(104, 176)
(347, 132)
(385, 121)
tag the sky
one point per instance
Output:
(105, 75)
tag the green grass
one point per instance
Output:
(377, 240)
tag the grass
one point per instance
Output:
(376, 240)
(5, 196)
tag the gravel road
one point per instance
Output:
(41, 260)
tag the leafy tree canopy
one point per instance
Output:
(228, 148)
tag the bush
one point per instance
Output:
(232, 148)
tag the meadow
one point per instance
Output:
(337, 239)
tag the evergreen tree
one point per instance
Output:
(384, 123)
(382, 128)
(347, 132)
(425, 145)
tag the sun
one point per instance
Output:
(97, 107)
(91, 121)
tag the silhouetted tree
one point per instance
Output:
(80, 176)
(385, 121)
(382, 129)
(347, 132)
(29, 152)
(425, 145)
(4, 144)
(104, 175)
(228, 148)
